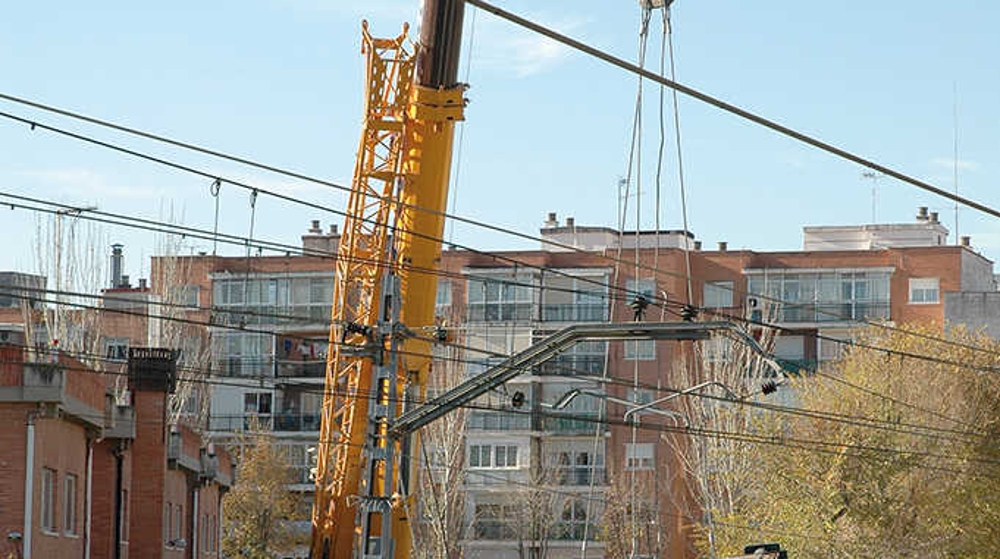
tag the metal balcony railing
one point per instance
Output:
(575, 313)
(290, 422)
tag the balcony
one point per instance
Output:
(279, 422)
(494, 421)
(76, 389)
(303, 369)
(572, 365)
(575, 313)
(576, 476)
(833, 312)
(568, 426)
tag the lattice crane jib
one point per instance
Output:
(362, 269)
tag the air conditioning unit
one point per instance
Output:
(11, 334)
(754, 308)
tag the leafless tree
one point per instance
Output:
(719, 470)
(442, 522)
(69, 254)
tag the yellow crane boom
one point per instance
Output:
(394, 224)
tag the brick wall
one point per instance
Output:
(62, 447)
(12, 441)
(149, 466)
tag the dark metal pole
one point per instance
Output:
(440, 43)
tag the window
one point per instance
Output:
(504, 298)
(569, 299)
(69, 505)
(443, 299)
(718, 294)
(178, 522)
(492, 456)
(49, 500)
(257, 402)
(186, 295)
(116, 348)
(576, 467)
(168, 523)
(574, 519)
(639, 456)
(640, 350)
(924, 290)
(496, 521)
(826, 296)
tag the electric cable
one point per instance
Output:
(495, 256)
(727, 107)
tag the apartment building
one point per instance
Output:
(270, 370)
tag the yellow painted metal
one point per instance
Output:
(427, 164)
(406, 142)
(357, 289)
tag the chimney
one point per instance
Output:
(723, 245)
(333, 229)
(315, 229)
(922, 213)
(965, 241)
(116, 265)
(124, 281)
(570, 222)
(142, 283)
(697, 245)
(934, 217)
(552, 221)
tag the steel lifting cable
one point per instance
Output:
(634, 162)
(668, 26)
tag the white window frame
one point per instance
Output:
(921, 289)
(69, 504)
(492, 452)
(48, 504)
(639, 456)
(116, 349)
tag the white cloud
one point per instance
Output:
(499, 46)
(949, 163)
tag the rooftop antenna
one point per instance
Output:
(874, 177)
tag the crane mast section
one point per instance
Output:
(363, 260)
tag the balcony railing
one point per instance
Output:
(575, 313)
(579, 475)
(569, 426)
(311, 369)
(573, 365)
(496, 421)
(290, 422)
(833, 312)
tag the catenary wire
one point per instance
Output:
(494, 256)
(727, 107)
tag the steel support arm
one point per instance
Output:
(548, 348)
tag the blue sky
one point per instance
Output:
(548, 129)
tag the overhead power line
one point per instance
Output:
(727, 107)
(514, 261)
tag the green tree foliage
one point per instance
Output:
(899, 460)
(259, 511)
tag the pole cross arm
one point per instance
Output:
(548, 348)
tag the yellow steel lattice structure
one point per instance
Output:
(364, 256)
